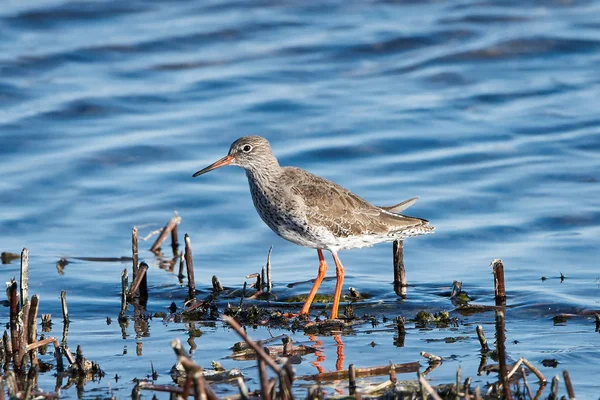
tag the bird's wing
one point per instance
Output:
(398, 208)
(340, 211)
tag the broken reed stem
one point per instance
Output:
(15, 329)
(124, 284)
(199, 386)
(569, 385)
(554, 387)
(501, 349)
(32, 319)
(216, 284)
(431, 357)
(134, 251)
(352, 379)
(195, 371)
(24, 276)
(174, 239)
(525, 383)
(137, 282)
(65, 310)
(499, 288)
(431, 391)
(165, 232)
(144, 385)
(392, 373)
(482, 340)
(531, 367)
(264, 379)
(243, 389)
(458, 371)
(190, 266)
(181, 263)
(400, 282)
(268, 268)
(258, 349)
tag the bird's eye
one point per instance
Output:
(247, 148)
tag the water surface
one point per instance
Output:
(487, 112)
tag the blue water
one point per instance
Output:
(488, 113)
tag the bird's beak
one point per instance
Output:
(227, 160)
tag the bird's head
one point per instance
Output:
(248, 152)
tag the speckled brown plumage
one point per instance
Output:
(315, 212)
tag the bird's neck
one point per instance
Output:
(264, 175)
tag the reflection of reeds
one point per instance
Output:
(22, 347)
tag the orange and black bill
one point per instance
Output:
(227, 160)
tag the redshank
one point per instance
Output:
(313, 212)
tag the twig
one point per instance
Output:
(268, 268)
(535, 371)
(514, 368)
(193, 368)
(24, 276)
(165, 232)
(190, 266)
(499, 288)
(174, 240)
(217, 287)
(392, 373)
(181, 263)
(124, 284)
(264, 379)
(400, 282)
(199, 386)
(159, 388)
(431, 357)
(258, 349)
(428, 388)
(243, 389)
(482, 340)
(554, 388)
(569, 385)
(525, 383)
(457, 397)
(65, 310)
(32, 319)
(136, 284)
(467, 388)
(501, 349)
(13, 299)
(362, 372)
(134, 251)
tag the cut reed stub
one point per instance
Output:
(482, 340)
(190, 266)
(499, 287)
(400, 282)
(134, 250)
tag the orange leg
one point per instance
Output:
(318, 280)
(339, 274)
